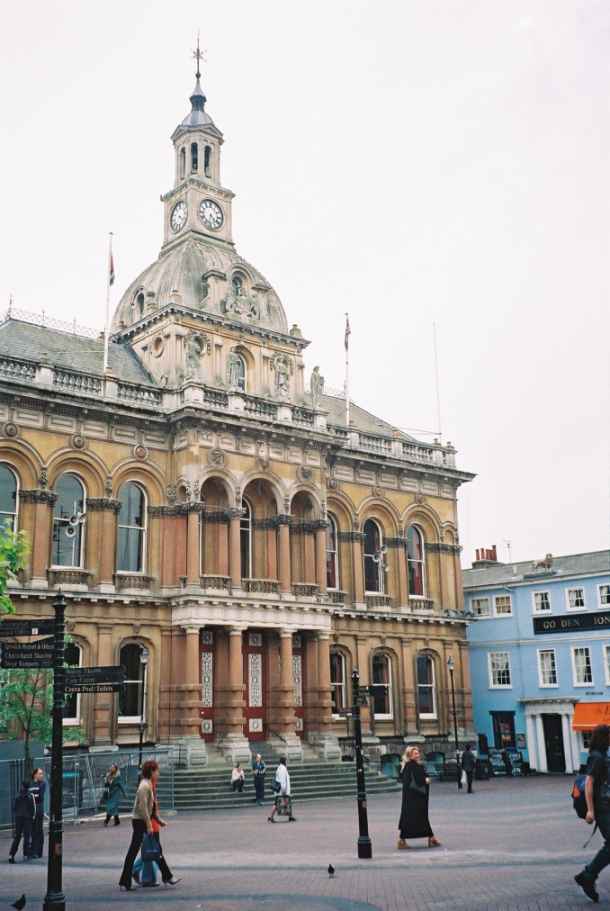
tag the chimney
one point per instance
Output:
(485, 556)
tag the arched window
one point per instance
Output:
(338, 692)
(381, 677)
(245, 540)
(426, 687)
(132, 697)
(332, 555)
(8, 498)
(207, 161)
(73, 657)
(68, 522)
(373, 575)
(182, 162)
(194, 156)
(140, 305)
(416, 562)
(131, 542)
(237, 283)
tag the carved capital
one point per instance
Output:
(103, 504)
(350, 536)
(38, 496)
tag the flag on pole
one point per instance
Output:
(111, 275)
(348, 331)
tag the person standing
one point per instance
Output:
(469, 763)
(597, 795)
(142, 824)
(258, 770)
(25, 810)
(38, 789)
(414, 821)
(282, 796)
(237, 778)
(114, 790)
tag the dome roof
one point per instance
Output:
(199, 275)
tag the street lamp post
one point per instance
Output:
(451, 668)
(143, 663)
(365, 846)
(55, 899)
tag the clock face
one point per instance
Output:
(210, 214)
(178, 217)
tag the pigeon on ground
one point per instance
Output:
(331, 871)
(20, 903)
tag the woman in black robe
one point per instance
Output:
(414, 822)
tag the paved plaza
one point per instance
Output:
(515, 844)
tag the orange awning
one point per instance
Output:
(587, 715)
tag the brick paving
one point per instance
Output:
(515, 844)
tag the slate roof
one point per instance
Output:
(363, 420)
(595, 562)
(64, 349)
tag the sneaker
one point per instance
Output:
(11, 859)
(587, 885)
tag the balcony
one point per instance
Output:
(336, 596)
(305, 590)
(216, 583)
(134, 582)
(421, 604)
(261, 586)
(69, 578)
(260, 408)
(378, 601)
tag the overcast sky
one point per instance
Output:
(409, 162)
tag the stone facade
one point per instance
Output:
(196, 501)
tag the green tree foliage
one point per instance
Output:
(13, 551)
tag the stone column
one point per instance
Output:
(323, 739)
(193, 556)
(234, 745)
(104, 702)
(409, 694)
(290, 744)
(532, 752)
(403, 586)
(542, 763)
(312, 686)
(284, 555)
(102, 540)
(44, 501)
(358, 570)
(321, 558)
(235, 549)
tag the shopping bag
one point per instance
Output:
(151, 850)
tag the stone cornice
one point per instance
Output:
(350, 536)
(38, 496)
(395, 542)
(103, 504)
(437, 547)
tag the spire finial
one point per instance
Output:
(198, 55)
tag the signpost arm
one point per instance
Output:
(55, 899)
(365, 846)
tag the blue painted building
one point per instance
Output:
(540, 653)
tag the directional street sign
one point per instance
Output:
(9, 629)
(94, 679)
(14, 657)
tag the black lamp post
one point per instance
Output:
(451, 668)
(365, 846)
(143, 663)
(55, 900)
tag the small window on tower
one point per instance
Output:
(182, 162)
(140, 304)
(194, 156)
(238, 285)
(207, 161)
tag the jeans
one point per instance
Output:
(602, 858)
(137, 837)
(23, 826)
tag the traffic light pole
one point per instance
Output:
(365, 846)
(55, 900)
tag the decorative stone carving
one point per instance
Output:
(11, 429)
(37, 496)
(171, 493)
(332, 483)
(108, 486)
(316, 387)
(419, 499)
(78, 441)
(304, 473)
(283, 367)
(196, 346)
(244, 306)
(262, 463)
(197, 490)
(43, 479)
(234, 371)
(216, 457)
(140, 452)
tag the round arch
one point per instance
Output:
(24, 460)
(149, 477)
(383, 512)
(427, 518)
(274, 481)
(311, 491)
(224, 478)
(86, 465)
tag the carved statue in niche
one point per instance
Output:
(196, 346)
(239, 303)
(282, 366)
(236, 371)
(316, 386)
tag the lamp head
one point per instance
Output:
(451, 664)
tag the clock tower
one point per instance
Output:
(198, 204)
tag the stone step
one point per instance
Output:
(240, 801)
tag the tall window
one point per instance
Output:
(426, 687)
(499, 670)
(381, 678)
(503, 605)
(73, 658)
(133, 695)
(332, 556)
(68, 522)
(604, 595)
(581, 666)
(182, 162)
(416, 562)
(542, 602)
(194, 156)
(337, 682)
(8, 498)
(132, 529)
(373, 577)
(245, 540)
(576, 598)
(139, 306)
(481, 607)
(547, 667)
(207, 161)
(237, 283)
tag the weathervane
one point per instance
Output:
(198, 55)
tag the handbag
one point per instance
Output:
(421, 789)
(276, 786)
(151, 849)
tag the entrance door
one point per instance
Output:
(297, 681)
(553, 741)
(207, 684)
(504, 729)
(254, 675)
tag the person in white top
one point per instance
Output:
(237, 778)
(282, 789)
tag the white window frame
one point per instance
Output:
(333, 524)
(606, 660)
(75, 721)
(143, 529)
(535, 609)
(495, 607)
(427, 716)
(245, 523)
(541, 683)
(343, 685)
(482, 598)
(499, 686)
(136, 719)
(384, 716)
(422, 562)
(576, 588)
(599, 594)
(574, 649)
(15, 514)
(380, 565)
(83, 530)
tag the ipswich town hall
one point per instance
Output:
(217, 525)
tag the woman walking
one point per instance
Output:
(414, 822)
(142, 824)
(258, 770)
(114, 790)
(597, 795)
(38, 789)
(283, 799)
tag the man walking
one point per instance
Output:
(468, 765)
(25, 810)
(597, 795)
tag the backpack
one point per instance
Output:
(579, 801)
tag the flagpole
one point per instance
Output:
(347, 334)
(109, 280)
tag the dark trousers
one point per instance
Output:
(238, 785)
(23, 826)
(259, 786)
(602, 858)
(117, 821)
(137, 837)
(469, 779)
(38, 836)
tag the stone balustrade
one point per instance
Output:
(305, 590)
(378, 601)
(421, 604)
(216, 583)
(261, 586)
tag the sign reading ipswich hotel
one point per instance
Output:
(575, 624)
